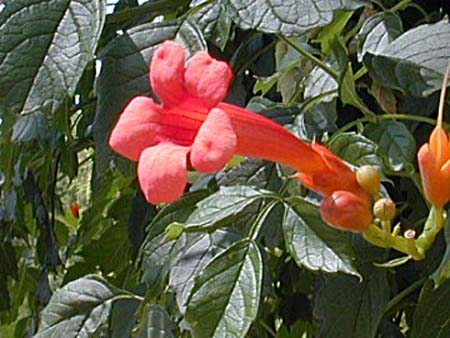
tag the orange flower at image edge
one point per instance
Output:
(193, 127)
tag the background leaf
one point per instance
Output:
(45, 47)
(78, 309)
(432, 312)
(312, 243)
(405, 65)
(270, 16)
(228, 288)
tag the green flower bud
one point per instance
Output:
(368, 177)
(384, 209)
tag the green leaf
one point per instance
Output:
(329, 32)
(223, 205)
(158, 255)
(350, 308)
(355, 148)
(79, 308)
(320, 84)
(125, 70)
(395, 142)
(312, 243)
(289, 18)
(225, 298)
(157, 323)
(408, 65)
(432, 312)
(317, 120)
(123, 317)
(378, 32)
(45, 47)
(200, 248)
(215, 25)
(31, 127)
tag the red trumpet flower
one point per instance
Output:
(192, 126)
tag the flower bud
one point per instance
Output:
(346, 211)
(384, 209)
(75, 209)
(368, 177)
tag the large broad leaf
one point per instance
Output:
(200, 248)
(225, 298)
(431, 318)
(414, 62)
(312, 243)
(395, 142)
(286, 17)
(125, 70)
(223, 205)
(378, 32)
(79, 309)
(157, 323)
(355, 148)
(350, 308)
(45, 46)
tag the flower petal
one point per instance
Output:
(215, 142)
(167, 72)
(439, 145)
(346, 211)
(207, 78)
(162, 172)
(136, 128)
(435, 184)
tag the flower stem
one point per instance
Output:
(434, 224)
(383, 239)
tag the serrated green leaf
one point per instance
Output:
(198, 251)
(378, 32)
(223, 205)
(157, 323)
(125, 70)
(289, 18)
(79, 308)
(431, 318)
(395, 142)
(350, 308)
(355, 149)
(312, 243)
(44, 48)
(225, 298)
(409, 65)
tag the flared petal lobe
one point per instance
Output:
(215, 143)
(167, 73)
(346, 211)
(207, 79)
(162, 172)
(136, 128)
